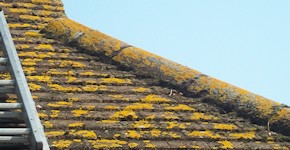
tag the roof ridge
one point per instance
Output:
(244, 102)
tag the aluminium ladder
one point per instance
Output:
(29, 134)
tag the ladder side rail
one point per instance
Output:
(38, 139)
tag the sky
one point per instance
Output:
(245, 43)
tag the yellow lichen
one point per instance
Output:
(170, 115)
(47, 124)
(34, 87)
(141, 89)
(93, 88)
(77, 140)
(77, 124)
(142, 124)
(54, 133)
(155, 132)
(139, 106)
(87, 73)
(109, 121)
(132, 145)
(60, 104)
(62, 144)
(246, 135)
(171, 125)
(32, 34)
(151, 117)
(204, 134)
(54, 113)
(133, 134)
(124, 114)
(42, 115)
(226, 145)
(180, 107)
(154, 99)
(84, 134)
(57, 87)
(44, 47)
(39, 78)
(222, 126)
(173, 135)
(104, 143)
(112, 107)
(115, 81)
(79, 112)
(198, 116)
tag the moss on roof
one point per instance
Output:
(86, 100)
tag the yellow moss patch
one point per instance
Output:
(87, 73)
(54, 133)
(54, 113)
(57, 87)
(104, 143)
(115, 81)
(77, 124)
(155, 132)
(29, 70)
(110, 121)
(246, 135)
(173, 135)
(133, 134)
(124, 114)
(132, 145)
(151, 117)
(171, 125)
(39, 78)
(60, 104)
(139, 106)
(32, 34)
(42, 115)
(62, 144)
(222, 126)
(169, 115)
(84, 134)
(142, 124)
(34, 87)
(204, 134)
(44, 47)
(119, 97)
(79, 112)
(29, 17)
(47, 124)
(198, 116)
(150, 145)
(77, 140)
(141, 90)
(180, 107)
(94, 88)
(112, 107)
(154, 99)
(226, 145)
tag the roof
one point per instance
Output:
(94, 91)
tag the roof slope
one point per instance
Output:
(86, 99)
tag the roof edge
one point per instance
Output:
(221, 93)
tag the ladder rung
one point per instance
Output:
(3, 69)
(6, 82)
(3, 61)
(14, 131)
(5, 106)
(13, 139)
(13, 115)
(6, 90)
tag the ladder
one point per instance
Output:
(28, 133)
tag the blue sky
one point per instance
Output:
(245, 43)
